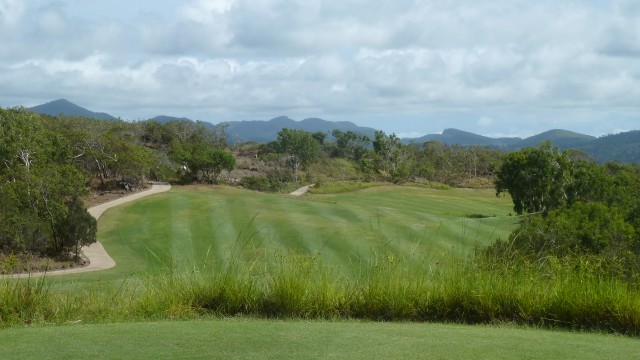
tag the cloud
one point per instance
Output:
(346, 59)
(11, 12)
(485, 121)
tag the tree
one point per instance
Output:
(216, 161)
(536, 178)
(391, 156)
(78, 228)
(38, 179)
(350, 145)
(299, 147)
(202, 157)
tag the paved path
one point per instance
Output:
(98, 257)
(303, 190)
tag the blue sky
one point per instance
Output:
(498, 68)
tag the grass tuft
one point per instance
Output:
(301, 287)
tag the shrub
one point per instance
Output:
(261, 183)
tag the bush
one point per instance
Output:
(582, 229)
(261, 183)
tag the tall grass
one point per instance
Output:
(385, 289)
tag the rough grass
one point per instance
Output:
(301, 287)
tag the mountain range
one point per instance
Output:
(623, 147)
(66, 107)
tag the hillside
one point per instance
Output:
(623, 147)
(561, 138)
(464, 138)
(264, 131)
(163, 119)
(65, 107)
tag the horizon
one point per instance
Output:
(401, 67)
(410, 135)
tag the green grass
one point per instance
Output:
(300, 287)
(261, 339)
(192, 228)
(385, 253)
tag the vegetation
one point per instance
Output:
(47, 164)
(590, 216)
(39, 189)
(349, 250)
(303, 288)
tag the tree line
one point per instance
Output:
(384, 158)
(48, 164)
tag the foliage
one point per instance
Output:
(589, 210)
(295, 149)
(350, 145)
(78, 228)
(198, 150)
(390, 157)
(536, 178)
(38, 182)
(261, 183)
(560, 296)
(593, 229)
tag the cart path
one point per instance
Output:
(303, 190)
(98, 257)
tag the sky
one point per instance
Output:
(410, 67)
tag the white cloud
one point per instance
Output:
(11, 12)
(485, 64)
(485, 121)
(410, 135)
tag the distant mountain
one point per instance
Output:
(68, 108)
(623, 147)
(265, 131)
(563, 139)
(459, 137)
(163, 119)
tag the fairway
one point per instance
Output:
(196, 227)
(262, 339)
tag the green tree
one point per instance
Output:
(216, 161)
(299, 148)
(77, 229)
(391, 157)
(536, 178)
(350, 145)
(202, 158)
(594, 229)
(38, 179)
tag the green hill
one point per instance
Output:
(65, 107)
(561, 138)
(623, 147)
(464, 138)
(265, 131)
